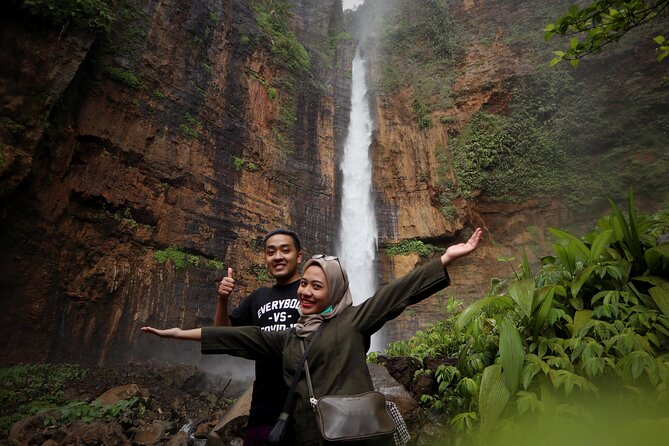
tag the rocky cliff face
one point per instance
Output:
(186, 128)
(136, 167)
(499, 46)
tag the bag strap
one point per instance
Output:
(287, 406)
(312, 398)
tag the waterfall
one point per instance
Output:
(358, 232)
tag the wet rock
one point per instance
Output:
(27, 431)
(433, 364)
(149, 434)
(113, 396)
(203, 429)
(230, 434)
(402, 368)
(393, 390)
(108, 434)
(181, 438)
(231, 428)
(432, 430)
(422, 385)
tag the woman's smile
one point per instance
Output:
(313, 291)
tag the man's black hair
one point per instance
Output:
(283, 231)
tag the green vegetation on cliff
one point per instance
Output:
(416, 46)
(580, 134)
(288, 50)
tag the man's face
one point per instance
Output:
(282, 258)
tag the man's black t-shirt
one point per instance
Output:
(271, 309)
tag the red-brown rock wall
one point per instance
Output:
(190, 157)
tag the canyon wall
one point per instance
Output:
(497, 49)
(185, 134)
(137, 165)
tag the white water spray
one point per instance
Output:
(358, 233)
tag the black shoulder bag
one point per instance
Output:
(278, 432)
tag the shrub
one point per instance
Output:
(178, 258)
(289, 51)
(26, 388)
(410, 246)
(124, 77)
(594, 317)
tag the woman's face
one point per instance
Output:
(313, 290)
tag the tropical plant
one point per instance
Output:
(596, 312)
(594, 317)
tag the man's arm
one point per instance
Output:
(225, 289)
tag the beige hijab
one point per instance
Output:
(338, 291)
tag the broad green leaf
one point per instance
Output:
(657, 259)
(630, 233)
(566, 259)
(660, 295)
(469, 312)
(599, 244)
(527, 401)
(522, 293)
(463, 422)
(531, 366)
(527, 271)
(658, 39)
(574, 62)
(579, 249)
(573, 43)
(581, 318)
(541, 316)
(580, 279)
(493, 397)
(511, 354)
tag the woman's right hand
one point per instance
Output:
(194, 334)
(168, 333)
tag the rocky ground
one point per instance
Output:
(175, 404)
(180, 405)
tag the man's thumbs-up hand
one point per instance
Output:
(226, 286)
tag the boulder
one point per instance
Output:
(393, 390)
(113, 396)
(181, 438)
(229, 431)
(149, 434)
(98, 433)
(27, 430)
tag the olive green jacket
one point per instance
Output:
(337, 360)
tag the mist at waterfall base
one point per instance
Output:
(358, 231)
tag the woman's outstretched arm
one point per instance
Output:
(462, 249)
(194, 334)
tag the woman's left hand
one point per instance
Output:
(462, 249)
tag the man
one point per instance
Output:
(271, 309)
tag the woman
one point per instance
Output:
(337, 360)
